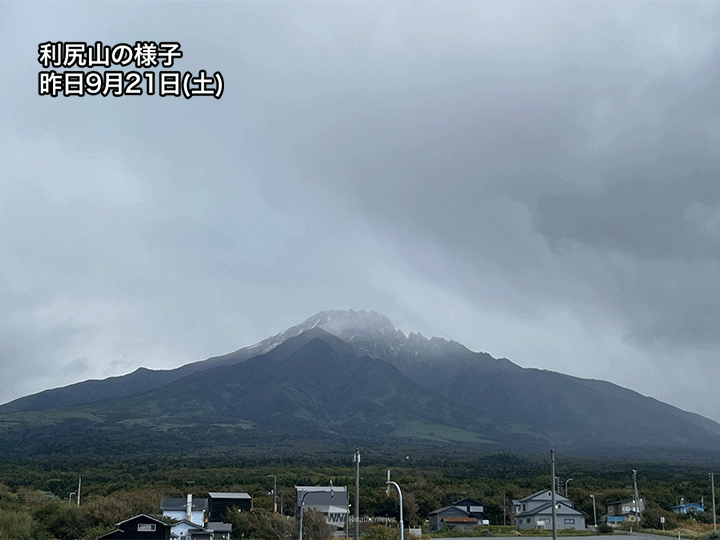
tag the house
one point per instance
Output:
(454, 517)
(466, 513)
(535, 512)
(187, 530)
(221, 502)
(624, 510)
(540, 517)
(140, 527)
(213, 530)
(473, 507)
(193, 510)
(332, 501)
(221, 531)
(688, 508)
(536, 500)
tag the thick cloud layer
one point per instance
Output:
(539, 181)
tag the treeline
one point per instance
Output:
(34, 497)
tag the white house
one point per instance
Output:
(535, 512)
(192, 510)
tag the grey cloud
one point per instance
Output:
(77, 367)
(524, 160)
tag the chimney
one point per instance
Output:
(188, 507)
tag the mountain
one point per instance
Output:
(313, 382)
(370, 334)
(351, 376)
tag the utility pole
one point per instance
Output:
(554, 510)
(274, 477)
(637, 499)
(594, 512)
(78, 493)
(356, 459)
(712, 483)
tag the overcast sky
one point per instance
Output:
(538, 181)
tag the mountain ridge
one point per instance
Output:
(342, 375)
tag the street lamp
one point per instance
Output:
(566, 483)
(402, 536)
(594, 512)
(302, 502)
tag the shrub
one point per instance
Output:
(382, 532)
(315, 526)
(15, 525)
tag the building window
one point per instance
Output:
(569, 521)
(528, 520)
(146, 527)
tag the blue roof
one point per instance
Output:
(689, 506)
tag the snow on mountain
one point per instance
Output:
(370, 334)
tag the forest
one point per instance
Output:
(39, 499)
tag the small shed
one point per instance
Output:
(221, 502)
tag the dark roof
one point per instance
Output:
(321, 495)
(227, 495)
(175, 523)
(537, 494)
(446, 508)
(110, 533)
(177, 504)
(218, 526)
(623, 501)
(547, 508)
(156, 520)
(467, 501)
(120, 531)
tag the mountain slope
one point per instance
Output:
(352, 374)
(431, 361)
(578, 413)
(313, 382)
(312, 385)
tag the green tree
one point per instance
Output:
(315, 527)
(651, 518)
(282, 527)
(104, 512)
(251, 524)
(59, 520)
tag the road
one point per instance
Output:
(619, 535)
